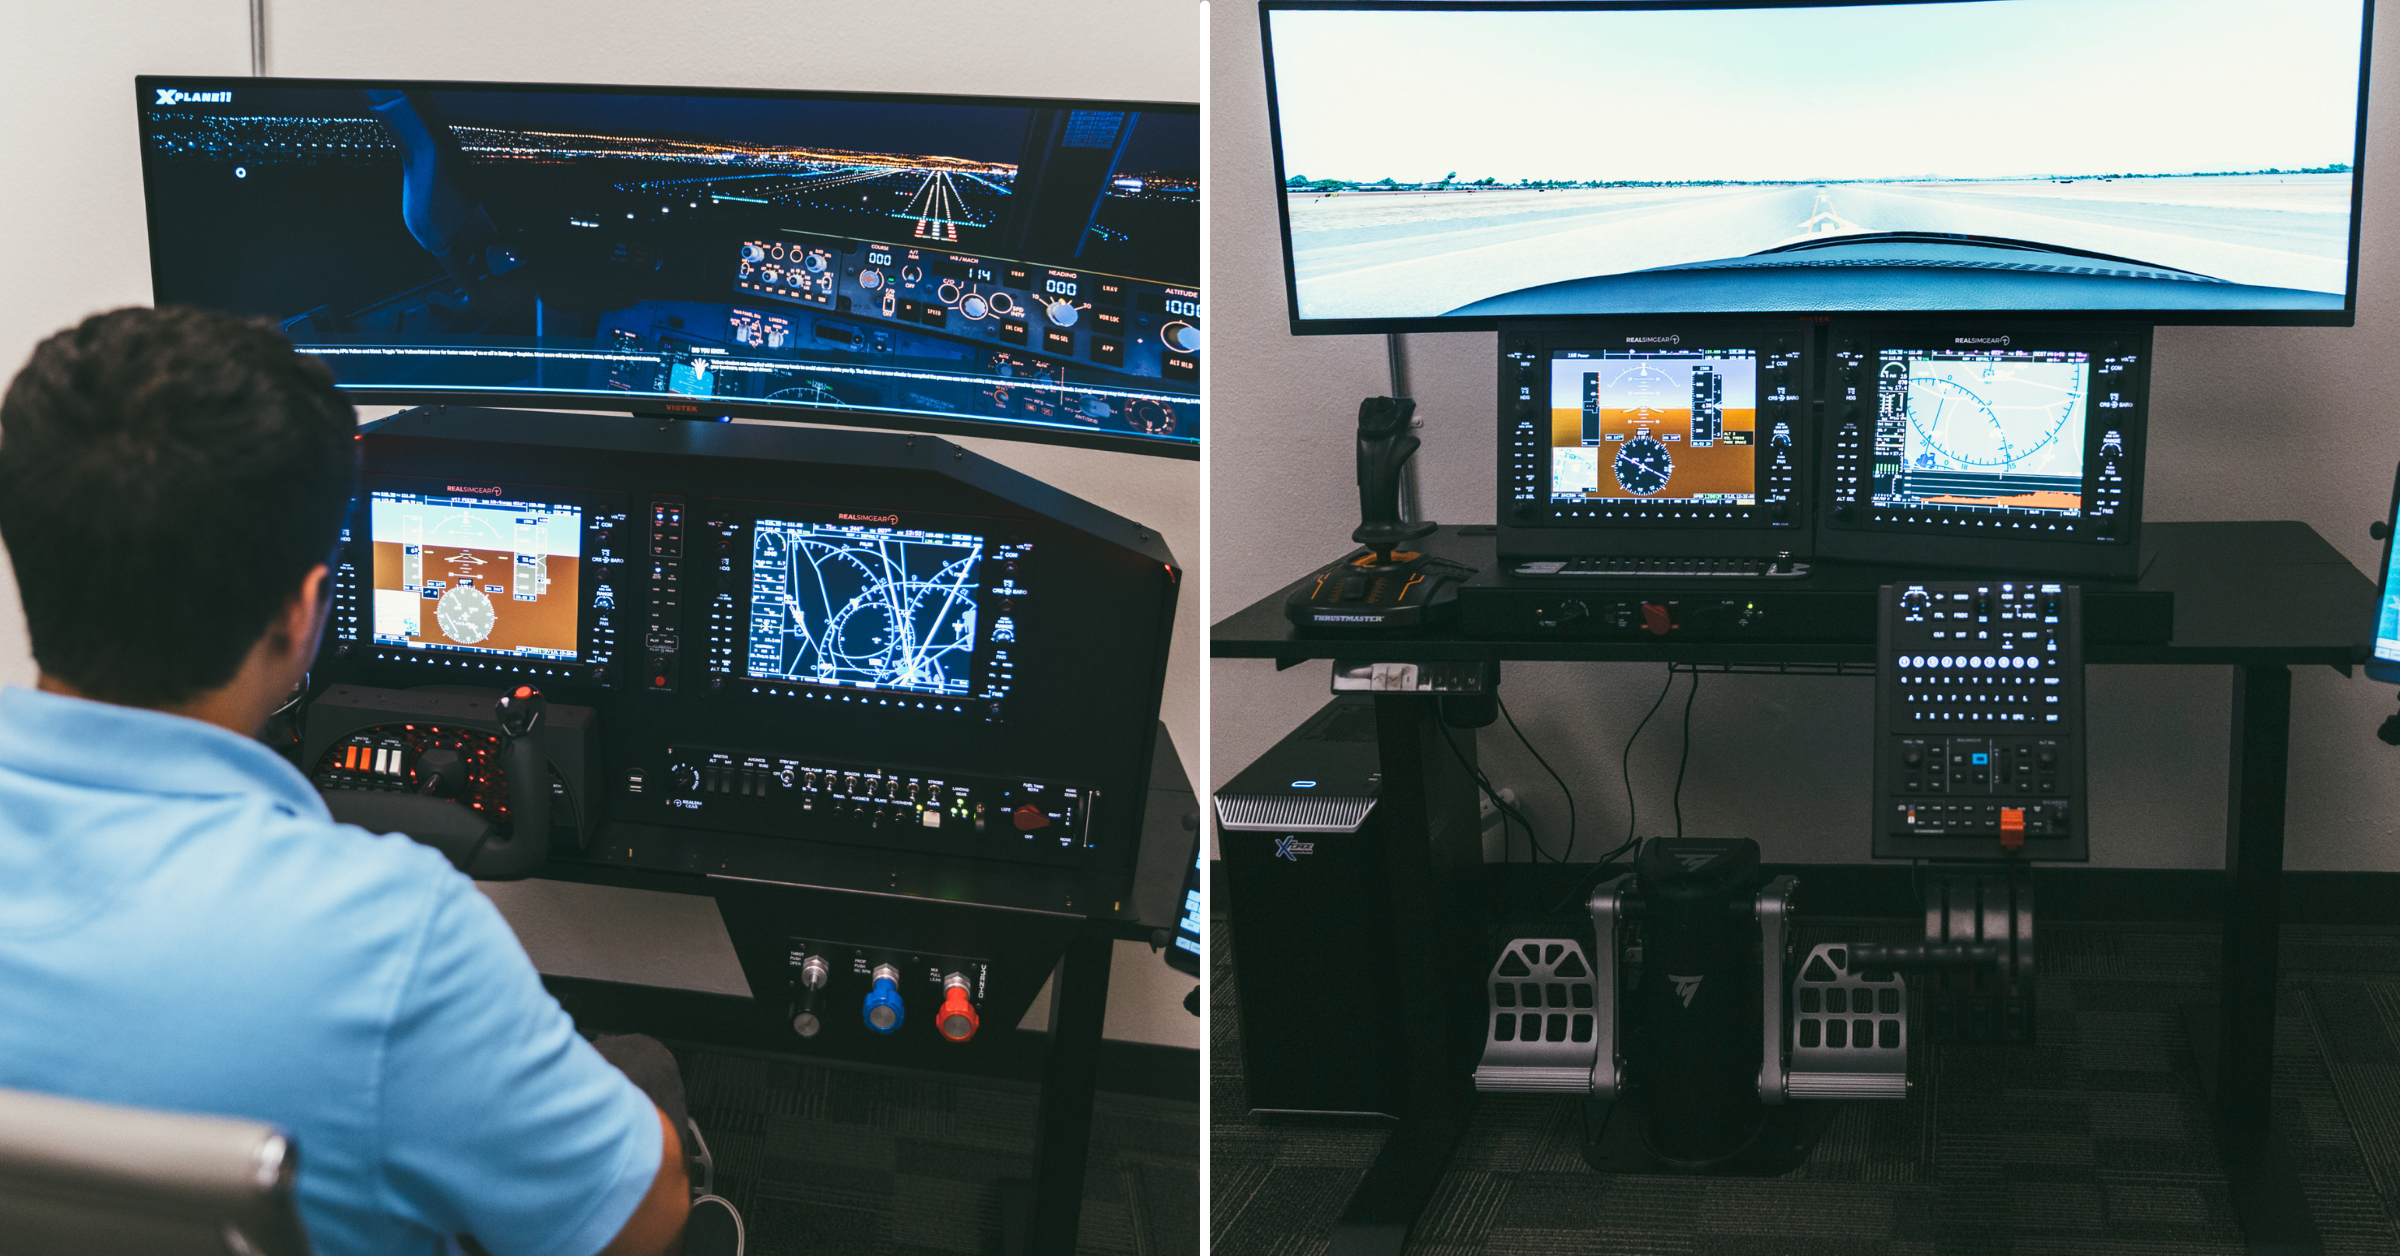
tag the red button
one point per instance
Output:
(2012, 828)
(1030, 817)
(524, 691)
(1657, 620)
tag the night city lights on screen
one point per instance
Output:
(1014, 268)
(2007, 155)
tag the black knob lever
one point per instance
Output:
(521, 713)
(1385, 445)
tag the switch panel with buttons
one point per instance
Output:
(1979, 722)
(893, 807)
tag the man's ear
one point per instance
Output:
(303, 618)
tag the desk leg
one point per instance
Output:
(2267, 1199)
(1062, 1139)
(1427, 807)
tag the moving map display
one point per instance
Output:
(881, 608)
(474, 574)
(2009, 155)
(1674, 425)
(1981, 431)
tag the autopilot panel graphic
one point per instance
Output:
(881, 608)
(1981, 431)
(1667, 425)
(661, 251)
(474, 574)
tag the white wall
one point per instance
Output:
(2245, 424)
(71, 197)
(77, 241)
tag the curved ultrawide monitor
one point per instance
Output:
(998, 267)
(1448, 165)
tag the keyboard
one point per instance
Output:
(1779, 567)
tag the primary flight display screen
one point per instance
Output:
(1003, 267)
(1641, 158)
(1982, 431)
(1672, 425)
(475, 574)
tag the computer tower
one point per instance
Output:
(1307, 896)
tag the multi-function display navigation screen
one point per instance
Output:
(1981, 431)
(864, 607)
(1019, 268)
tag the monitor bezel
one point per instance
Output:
(738, 517)
(1862, 540)
(708, 409)
(1537, 534)
(2386, 670)
(1301, 326)
(437, 661)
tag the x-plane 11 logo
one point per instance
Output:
(1292, 848)
(178, 96)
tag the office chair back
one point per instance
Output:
(79, 1178)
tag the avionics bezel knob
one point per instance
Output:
(883, 1011)
(957, 1020)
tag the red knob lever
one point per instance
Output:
(957, 1019)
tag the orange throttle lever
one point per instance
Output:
(957, 1019)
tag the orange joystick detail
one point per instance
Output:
(957, 1019)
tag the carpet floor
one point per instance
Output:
(2092, 1142)
(823, 1160)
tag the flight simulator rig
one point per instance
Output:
(891, 705)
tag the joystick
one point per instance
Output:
(1383, 586)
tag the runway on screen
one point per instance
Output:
(1415, 254)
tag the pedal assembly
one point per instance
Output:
(1704, 1038)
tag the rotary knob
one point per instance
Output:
(686, 778)
(815, 263)
(870, 279)
(1182, 337)
(753, 253)
(883, 1009)
(957, 1020)
(1060, 313)
(974, 306)
(441, 772)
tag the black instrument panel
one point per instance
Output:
(858, 638)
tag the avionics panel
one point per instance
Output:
(1020, 268)
(794, 638)
(1651, 437)
(458, 577)
(2001, 446)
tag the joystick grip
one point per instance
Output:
(1385, 445)
(520, 712)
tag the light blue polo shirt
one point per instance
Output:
(184, 927)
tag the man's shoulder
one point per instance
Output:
(311, 871)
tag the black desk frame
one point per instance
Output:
(2219, 572)
(1044, 1215)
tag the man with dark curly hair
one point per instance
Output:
(182, 924)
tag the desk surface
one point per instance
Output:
(2264, 592)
